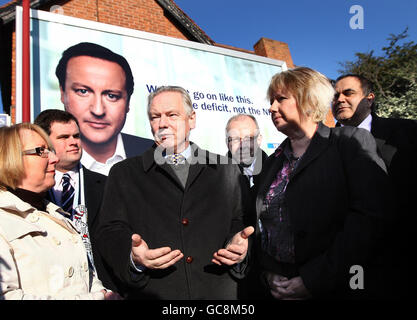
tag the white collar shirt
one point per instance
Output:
(365, 124)
(90, 163)
(248, 172)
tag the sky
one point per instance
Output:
(318, 33)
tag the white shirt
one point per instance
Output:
(248, 172)
(365, 124)
(92, 164)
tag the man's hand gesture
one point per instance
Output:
(235, 250)
(160, 258)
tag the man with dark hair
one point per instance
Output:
(354, 101)
(354, 105)
(96, 85)
(77, 190)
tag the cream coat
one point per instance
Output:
(41, 254)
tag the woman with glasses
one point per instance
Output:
(41, 254)
(321, 200)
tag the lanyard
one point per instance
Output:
(80, 199)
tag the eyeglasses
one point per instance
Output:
(40, 151)
(244, 140)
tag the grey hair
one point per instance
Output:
(240, 116)
(185, 97)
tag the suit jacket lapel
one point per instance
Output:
(385, 151)
(93, 188)
(200, 160)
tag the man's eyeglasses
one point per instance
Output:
(244, 140)
(40, 151)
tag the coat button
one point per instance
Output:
(75, 238)
(56, 241)
(70, 272)
(33, 218)
(189, 259)
(185, 221)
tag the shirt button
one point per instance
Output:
(85, 266)
(185, 221)
(189, 259)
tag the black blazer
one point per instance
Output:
(94, 184)
(397, 145)
(336, 200)
(135, 146)
(93, 190)
(146, 198)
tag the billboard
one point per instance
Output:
(221, 82)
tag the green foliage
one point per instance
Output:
(394, 75)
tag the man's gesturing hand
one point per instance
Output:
(160, 258)
(236, 249)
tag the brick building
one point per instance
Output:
(161, 17)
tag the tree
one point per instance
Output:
(394, 75)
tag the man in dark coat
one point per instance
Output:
(243, 139)
(396, 141)
(171, 225)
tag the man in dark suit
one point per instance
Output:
(87, 189)
(396, 140)
(171, 222)
(96, 85)
(243, 140)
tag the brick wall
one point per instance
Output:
(274, 49)
(144, 15)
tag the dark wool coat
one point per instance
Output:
(337, 204)
(146, 198)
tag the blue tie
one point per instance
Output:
(67, 194)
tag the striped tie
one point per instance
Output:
(67, 194)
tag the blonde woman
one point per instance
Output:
(41, 254)
(321, 197)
